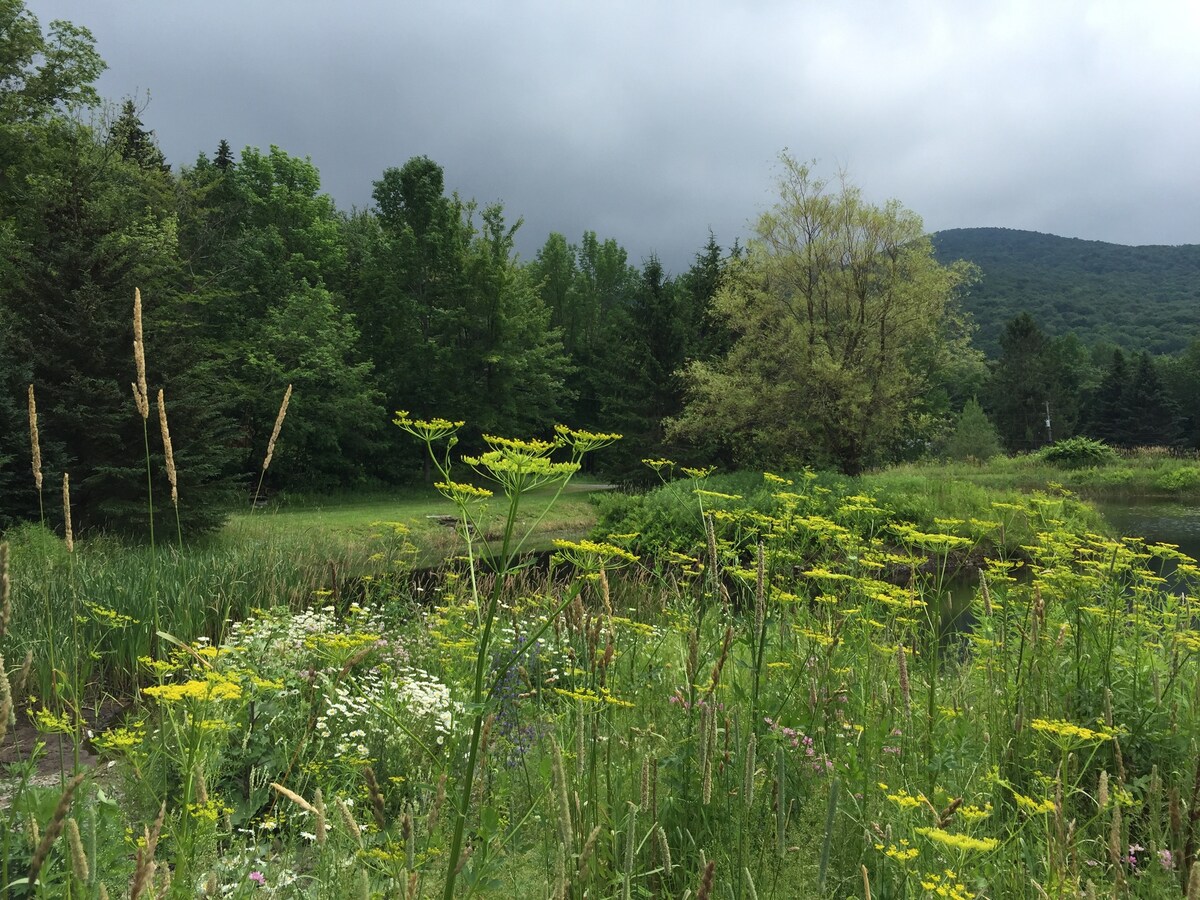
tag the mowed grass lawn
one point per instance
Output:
(358, 526)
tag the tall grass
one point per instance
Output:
(766, 702)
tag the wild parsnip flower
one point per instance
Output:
(215, 687)
(971, 814)
(426, 430)
(1032, 806)
(1068, 733)
(716, 495)
(947, 885)
(592, 556)
(958, 841)
(901, 852)
(584, 441)
(459, 492)
(905, 800)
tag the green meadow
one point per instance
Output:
(929, 681)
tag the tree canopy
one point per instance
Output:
(843, 320)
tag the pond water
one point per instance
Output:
(1156, 521)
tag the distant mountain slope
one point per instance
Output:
(1137, 297)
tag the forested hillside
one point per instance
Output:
(1139, 298)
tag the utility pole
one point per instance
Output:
(1049, 433)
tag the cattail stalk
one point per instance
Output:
(664, 849)
(589, 847)
(781, 804)
(6, 700)
(300, 801)
(348, 820)
(748, 775)
(54, 828)
(630, 851)
(322, 827)
(751, 891)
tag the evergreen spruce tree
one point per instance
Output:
(974, 437)
(1110, 411)
(130, 138)
(1152, 418)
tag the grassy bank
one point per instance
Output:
(1133, 474)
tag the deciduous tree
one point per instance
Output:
(842, 318)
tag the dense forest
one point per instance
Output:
(1138, 298)
(252, 280)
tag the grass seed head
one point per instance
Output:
(168, 450)
(34, 442)
(68, 532)
(5, 590)
(287, 397)
(54, 828)
(140, 391)
(79, 860)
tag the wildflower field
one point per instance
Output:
(765, 686)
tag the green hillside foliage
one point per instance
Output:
(1139, 298)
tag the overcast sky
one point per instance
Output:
(653, 122)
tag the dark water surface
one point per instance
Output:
(1157, 521)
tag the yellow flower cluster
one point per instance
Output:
(214, 687)
(601, 696)
(901, 852)
(1071, 732)
(1031, 806)
(958, 841)
(592, 556)
(946, 885)
(905, 800)
(458, 492)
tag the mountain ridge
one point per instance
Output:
(1135, 296)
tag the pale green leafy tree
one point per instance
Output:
(843, 320)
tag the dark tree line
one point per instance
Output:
(252, 280)
(1127, 400)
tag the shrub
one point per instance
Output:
(1077, 452)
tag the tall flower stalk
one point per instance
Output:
(517, 467)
